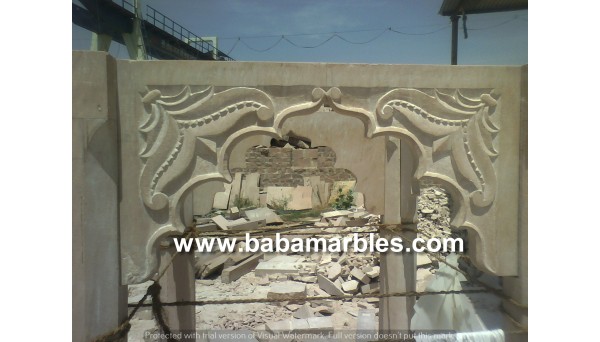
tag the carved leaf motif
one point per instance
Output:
(457, 124)
(172, 125)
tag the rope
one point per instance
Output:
(157, 310)
(314, 298)
(157, 305)
(256, 232)
(154, 292)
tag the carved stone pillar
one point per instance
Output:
(398, 269)
(99, 299)
(178, 284)
(516, 287)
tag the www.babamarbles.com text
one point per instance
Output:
(279, 244)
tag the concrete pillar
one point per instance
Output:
(100, 42)
(178, 284)
(516, 287)
(398, 269)
(134, 41)
(99, 300)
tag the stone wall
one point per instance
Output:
(285, 166)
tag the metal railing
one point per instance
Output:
(168, 25)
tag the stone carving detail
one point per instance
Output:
(458, 124)
(172, 125)
(176, 131)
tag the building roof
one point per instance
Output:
(450, 7)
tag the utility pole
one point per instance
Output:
(454, 54)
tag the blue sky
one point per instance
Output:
(494, 39)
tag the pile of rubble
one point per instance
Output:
(433, 210)
(299, 275)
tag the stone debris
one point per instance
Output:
(263, 214)
(358, 274)
(281, 264)
(330, 287)
(334, 270)
(370, 288)
(373, 272)
(305, 311)
(350, 286)
(287, 289)
(221, 221)
(233, 273)
(234, 213)
(276, 276)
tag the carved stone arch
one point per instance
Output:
(187, 138)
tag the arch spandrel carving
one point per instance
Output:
(186, 138)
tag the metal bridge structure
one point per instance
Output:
(151, 35)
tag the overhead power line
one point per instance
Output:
(339, 35)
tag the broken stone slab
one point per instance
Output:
(262, 199)
(287, 289)
(205, 282)
(373, 272)
(359, 199)
(343, 259)
(357, 222)
(221, 222)
(301, 198)
(325, 259)
(202, 220)
(424, 277)
(263, 281)
(279, 197)
(313, 182)
(250, 189)
(335, 213)
(334, 270)
(234, 213)
(340, 221)
(234, 273)
(328, 286)
(236, 187)
(305, 279)
(350, 286)
(212, 266)
(370, 288)
(358, 274)
(293, 307)
(246, 225)
(277, 277)
(221, 199)
(281, 264)
(323, 193)
(423, 260)
(266, 214)
(207, 227)
(305, 311)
